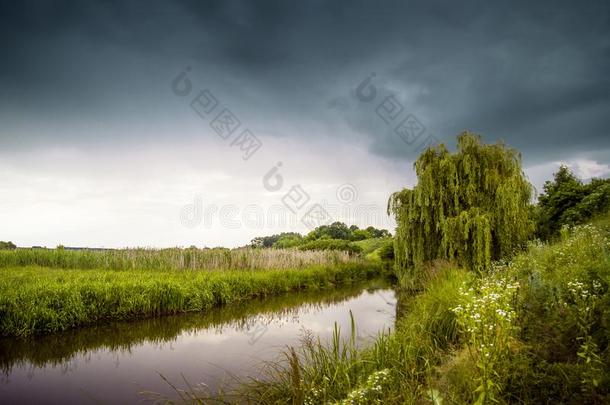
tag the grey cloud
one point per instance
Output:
(534, 74)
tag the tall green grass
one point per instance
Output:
(172, 259)
(36, 300)
(394, 369)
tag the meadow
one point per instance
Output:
(45, 291)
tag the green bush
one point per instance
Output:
(331, 244)
(566, 200)
(564, 316)
(7, 245)
(386, 251)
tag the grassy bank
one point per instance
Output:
(60, 348)
(535, 330)
(37, 300)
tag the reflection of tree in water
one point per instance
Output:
(58, 350)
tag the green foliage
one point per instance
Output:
(288, 240)
(278, 240)
(360, 234)
(377, 233)
(564, 318)
(386, 251)
(7, 245)
(36, 300)
(380, 249)
(392, 370)
(320, 373)
(471, 206)
(567, 201)
(331, 244)
(336, 230)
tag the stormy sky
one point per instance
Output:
(110, 111)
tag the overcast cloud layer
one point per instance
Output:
(96, 149)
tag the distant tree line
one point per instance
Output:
(338, 232)
(7, 245)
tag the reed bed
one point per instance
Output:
(37, 300)
(173, 259)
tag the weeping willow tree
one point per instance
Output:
(470, 207)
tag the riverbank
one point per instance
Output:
(40, 300)
(121, 362)
(533, 329)
(64, 347)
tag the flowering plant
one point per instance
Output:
(581, 299)
(486, 316)
(370, 392)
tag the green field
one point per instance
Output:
(35, 300)
(371, 247)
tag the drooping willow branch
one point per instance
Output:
(471, 206)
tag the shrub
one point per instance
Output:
(331, 244)
(386, 251)
(563, 318)
(567, 201)
(7, 245)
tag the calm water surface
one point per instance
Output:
(116, 363)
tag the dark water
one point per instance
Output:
(116, 363)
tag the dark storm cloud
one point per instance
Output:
(531, 73)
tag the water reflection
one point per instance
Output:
(114, 362)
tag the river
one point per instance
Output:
(123, 362)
